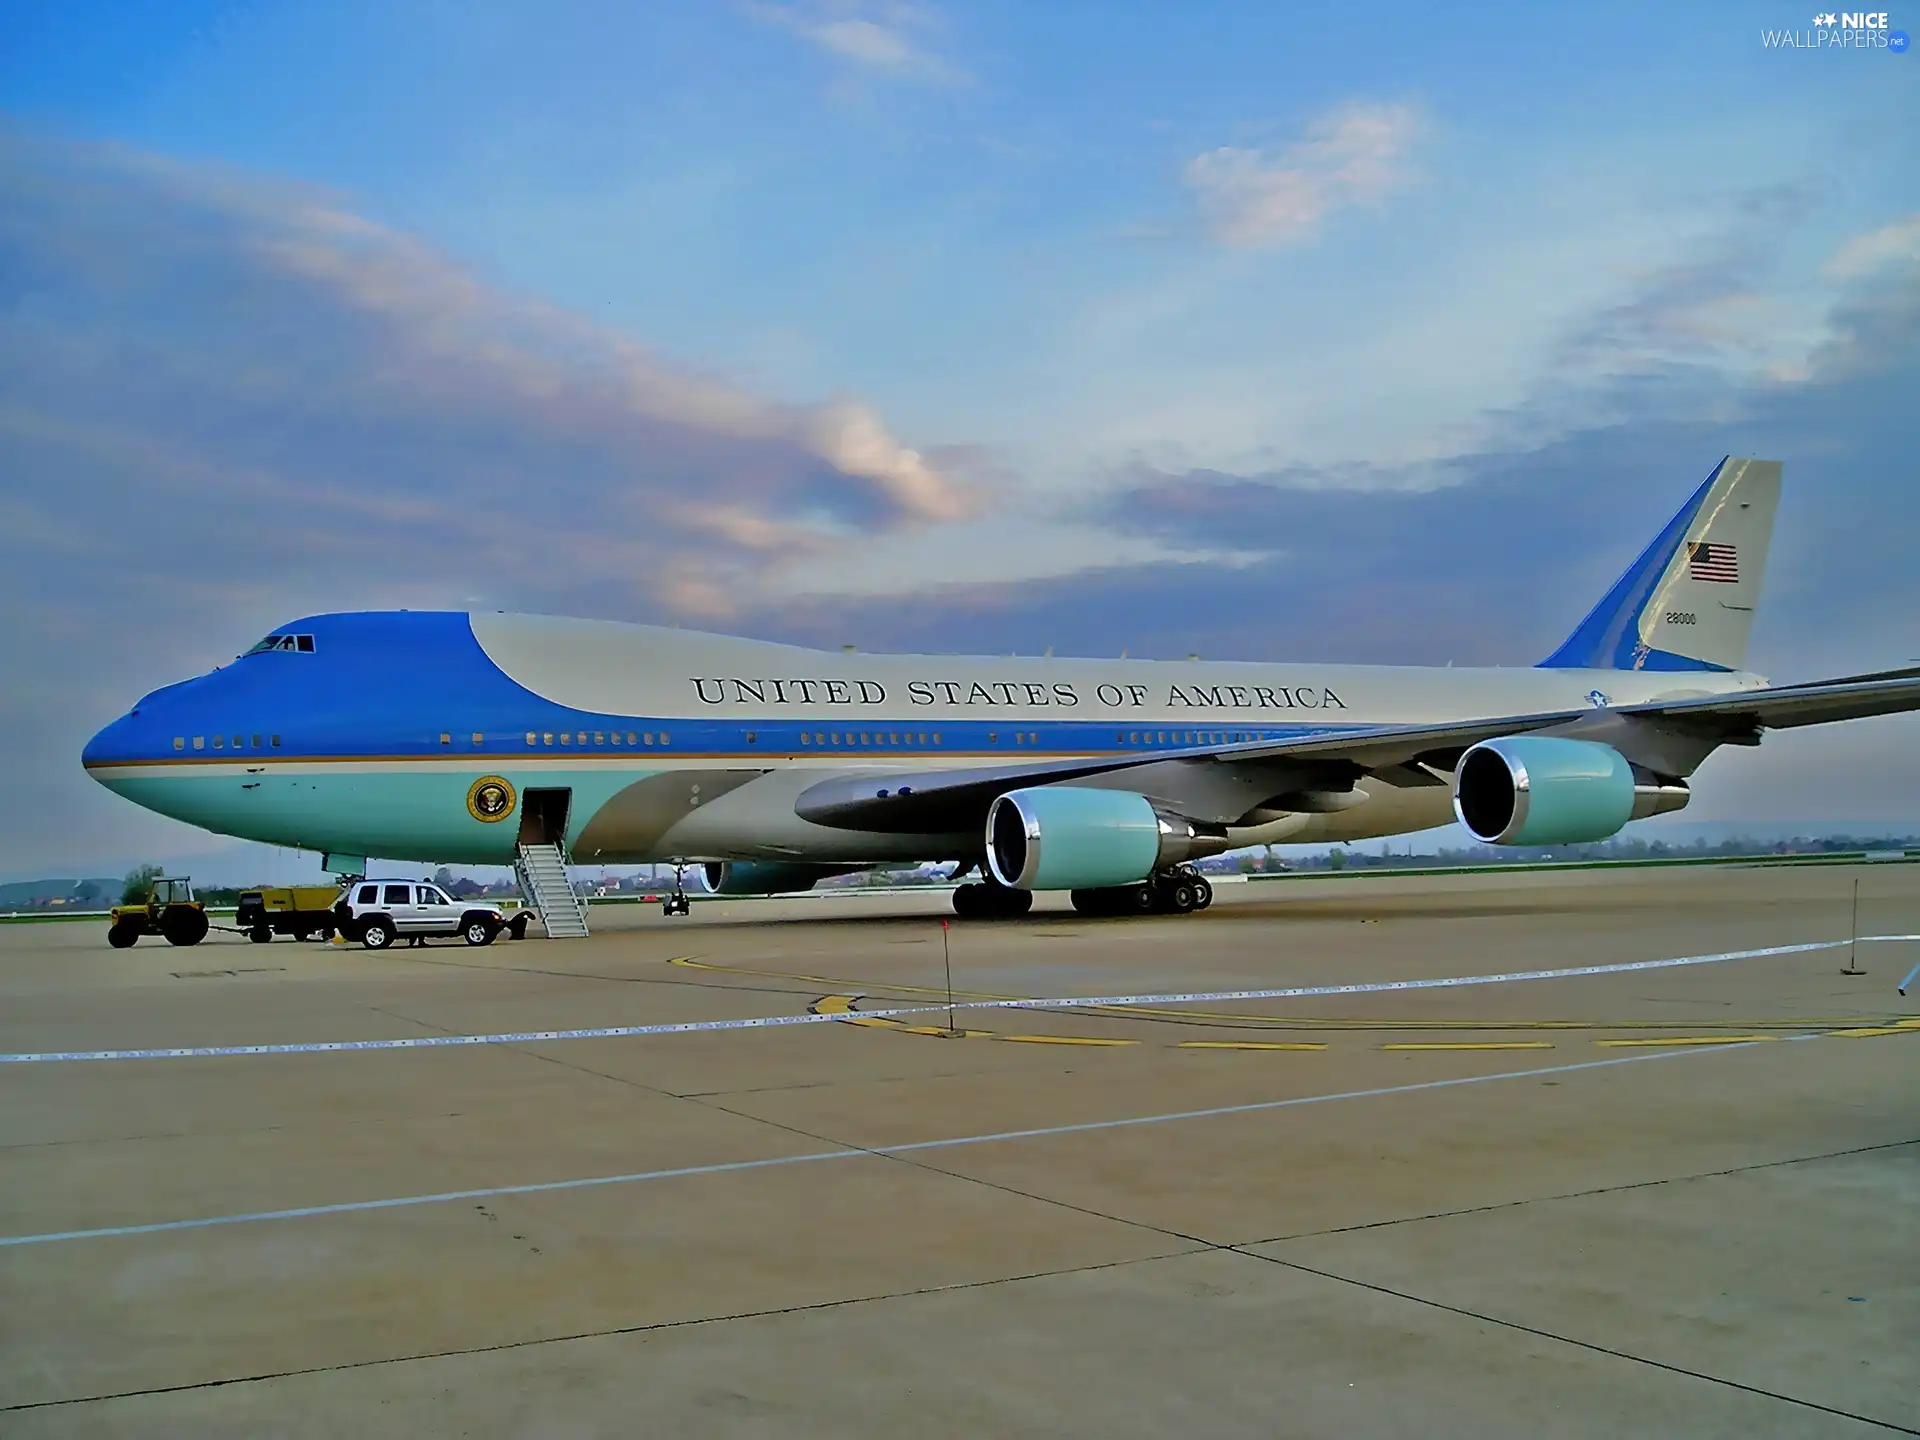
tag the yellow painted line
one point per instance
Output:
(843, 1005)
(1478, 1045)
(1902, 1029)
(1065, 1040)
(1688, 1040)
(1250, 1045)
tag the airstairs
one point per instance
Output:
(542, 872)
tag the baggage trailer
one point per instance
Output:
(302, 911)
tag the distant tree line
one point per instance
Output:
(1618, 848)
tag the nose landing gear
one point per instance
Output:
(676, 903)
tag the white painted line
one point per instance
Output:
(350, 1207)
(1081, 1002)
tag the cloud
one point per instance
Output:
(283, 310)
(1863, 255)
(1353, 155)
(1491, 555)
(226, 401)
(879, 39)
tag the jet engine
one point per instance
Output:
(1065, 837)
(1542, 790)
(768, 877)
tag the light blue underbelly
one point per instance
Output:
(395, 814)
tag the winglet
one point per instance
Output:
(1687, 602)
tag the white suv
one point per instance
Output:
(378, 912)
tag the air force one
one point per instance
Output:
(493, 738)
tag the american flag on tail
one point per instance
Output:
(1718, 563)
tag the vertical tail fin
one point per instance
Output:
(1687, 603)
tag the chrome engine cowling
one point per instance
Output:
(1069, 837)
(1544, 790)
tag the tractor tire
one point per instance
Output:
(260, 935)
(183, 925)
(120, 937)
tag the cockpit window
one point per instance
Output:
(302, 644)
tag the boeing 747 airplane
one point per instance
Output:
(493, 738)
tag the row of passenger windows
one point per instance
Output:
(858, 737)
(1187, 737)
(633, 739)
(240, 742)
(640, 739)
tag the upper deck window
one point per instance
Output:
(298, 644)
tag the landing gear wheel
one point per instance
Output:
(1202, 893)
(184, 926)
(1139, 899)
(377, 933)
(676, 903)
(122, 936)
(260, 935)
(1178, 896)
(983, 902)
(478, 932)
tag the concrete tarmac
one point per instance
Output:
(1676, 1201)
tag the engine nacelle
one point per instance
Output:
(1543, 790)
(1067, 837)
(767, 877)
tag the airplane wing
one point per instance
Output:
(1223, 782)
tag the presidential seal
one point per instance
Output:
(490, 799)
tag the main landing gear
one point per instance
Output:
(1178, 891)
(989, 899)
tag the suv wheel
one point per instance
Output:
(479, 932)
(377, 933)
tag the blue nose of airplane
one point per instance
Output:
(114, 743)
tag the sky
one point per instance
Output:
(1386, 333)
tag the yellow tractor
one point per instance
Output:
(170, 911)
